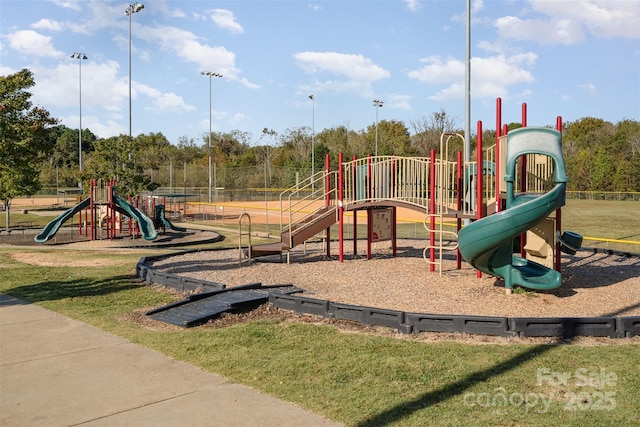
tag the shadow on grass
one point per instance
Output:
(82, 287)
(449, 391)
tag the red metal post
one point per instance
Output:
(340, 210)
(505, 131)
(432, 209)
(136, 225)
(394, 214)
(369, 232)
(80, 222)
(523, 179)
(369, 194)
(355, 212)
(327, 190)
(498, 135)
(479, 180)
(113, 209)
(394, 230)
(131, 223)
(91, 208)
(460, 189)
(558, 213)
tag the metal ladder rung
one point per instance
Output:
(440, 247)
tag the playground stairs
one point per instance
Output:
(199, 308)
(298, 232)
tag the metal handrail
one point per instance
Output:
(291, 205)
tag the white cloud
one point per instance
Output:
(187, 46)
(439, 72)
(46, 24)
(163, 7)
(29, 42)
(398, 102)
(238, 118)
(412, 5)
(164, 101)
(101, 86)
(568, 22)
(353, 73)
(177, 13)
(67, 4)
(477, 6)
(563, 31)
(225, 20)
(601, 18)
(353, 67)
(490, 76)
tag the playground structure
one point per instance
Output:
(528, 159)
(103, 214)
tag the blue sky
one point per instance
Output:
(573, 58)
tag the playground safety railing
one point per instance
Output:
(300, 202)
(387, 178)
(489, 183)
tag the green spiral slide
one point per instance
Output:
(487, 244)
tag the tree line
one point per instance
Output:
(36, 149)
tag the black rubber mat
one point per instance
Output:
(199, 309)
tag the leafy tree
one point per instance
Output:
(24, 138)
(228, 146)
(65, 152)
(336, 141)
(295, 148)
(152, 150)
(603, 170)
(188, 151)
(62, 165)
(393, 138)
(601, 156)
(111, 159)
(427, 131)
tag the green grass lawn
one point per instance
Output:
(603, 219)
(354, 378)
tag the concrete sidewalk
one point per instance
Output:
(56, 371)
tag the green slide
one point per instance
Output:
(54, 225)
(160, 214)
(487, 244)
(144, 222)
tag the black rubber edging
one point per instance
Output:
(414, 323)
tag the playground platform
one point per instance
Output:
(59, 371)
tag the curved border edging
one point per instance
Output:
(413, 323)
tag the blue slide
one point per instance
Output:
(53, 226)
(144, 222)
(487, 244)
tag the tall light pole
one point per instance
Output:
(467, 95)
(79, 56)
(210, 74)
(313, 137)
(131, 9)
(377, 103)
